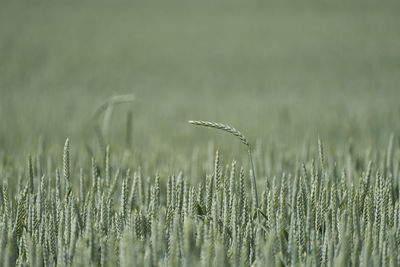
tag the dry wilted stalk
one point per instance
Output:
(242, 138)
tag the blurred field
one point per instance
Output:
(281, 72)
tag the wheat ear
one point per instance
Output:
(242, 138)
(223, 127)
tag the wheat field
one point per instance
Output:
(291, 156)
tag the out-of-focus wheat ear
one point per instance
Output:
(81, 189)
(67, 174)
(217, 172)
(21, 214)
(30, 174)
(321, 152)
(124, 199)
(157, 190)
(94, 174)
(321, 158)
(108, 168)
(389, 159)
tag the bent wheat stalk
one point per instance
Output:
(107, 108)
(244, 140)
(111, 102)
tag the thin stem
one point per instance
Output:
(254, 183)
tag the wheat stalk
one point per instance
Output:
(107, 107)
(115, 100)
(243, 139)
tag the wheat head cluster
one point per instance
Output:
(317, 214)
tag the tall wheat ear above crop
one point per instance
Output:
(243, 139)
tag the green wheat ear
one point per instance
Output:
(243, 139)
(223, 127)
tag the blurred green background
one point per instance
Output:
(282, 72)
